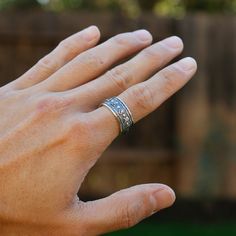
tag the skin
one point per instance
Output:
(52, 131)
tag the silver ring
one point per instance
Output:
(122, 113)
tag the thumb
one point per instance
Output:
(126, 208)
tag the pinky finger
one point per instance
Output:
(61, 55)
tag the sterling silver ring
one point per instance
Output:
(121, 111)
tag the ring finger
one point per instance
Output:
(145, 97)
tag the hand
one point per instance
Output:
(52, 132)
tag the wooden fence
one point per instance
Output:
(190, 141)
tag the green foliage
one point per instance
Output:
(174, 8)
(130, 7)
(19, 4)
(151, 227)
(210, 5)
(82, 4)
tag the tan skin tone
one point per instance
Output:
(52, 131)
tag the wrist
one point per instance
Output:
(21, 229)
(16, 229)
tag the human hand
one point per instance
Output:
(52, 131)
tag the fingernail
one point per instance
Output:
(164, 198)
(91, 33)
(143, 35)
(188, 64)
(173, 42)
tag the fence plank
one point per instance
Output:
(197, 126)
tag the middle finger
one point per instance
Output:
(121, 77)
(92, 63)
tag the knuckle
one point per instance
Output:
(5, 94)
(46, 63)
(9, 97)
(171, 77)
(131, 214)
(142, 97)
(52, 104)
(85, 128)
(82, 128)
(136, 211)
(120, 77)
(129, 217)
(121, 40)
(90, 59)
(153, 54)
(68, 45)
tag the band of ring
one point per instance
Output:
(121, 111)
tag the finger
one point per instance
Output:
(126, 208)
(138, 69)
(96, 61)
(61, 55)
(145, 97)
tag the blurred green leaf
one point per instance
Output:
(131, 7)
(19, 4)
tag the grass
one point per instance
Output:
(179, 229)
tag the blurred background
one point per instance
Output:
(189, 143)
